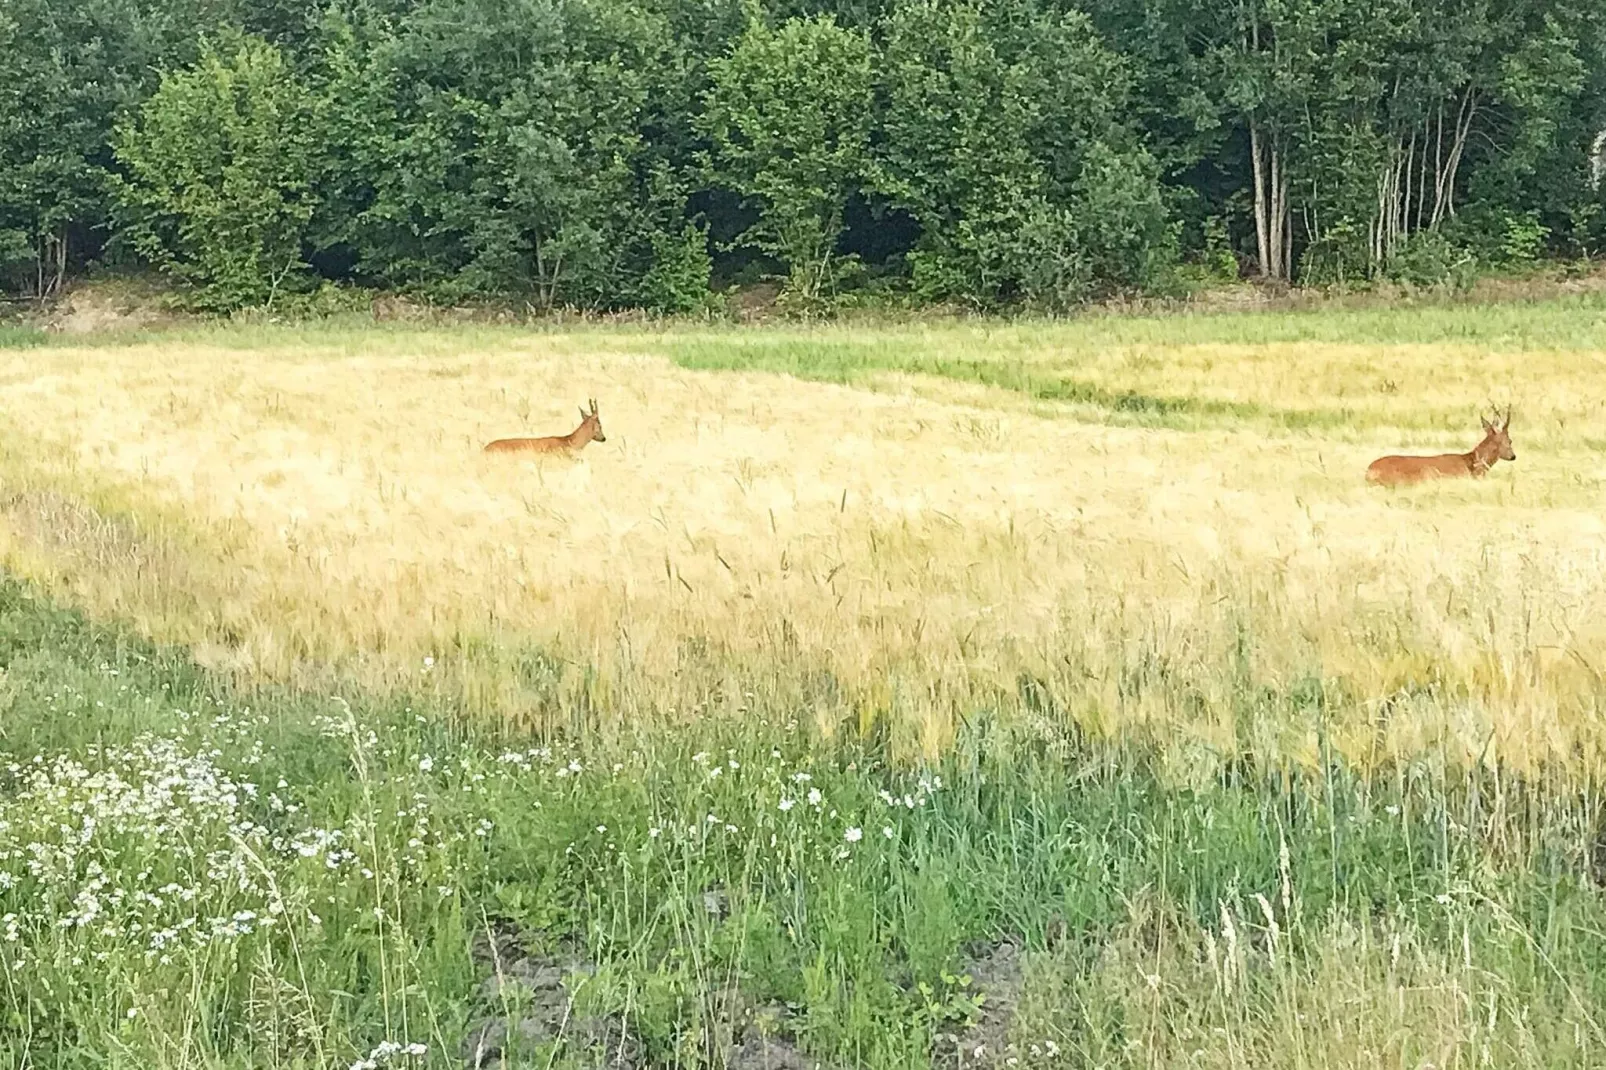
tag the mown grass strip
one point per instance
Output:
(852, 363)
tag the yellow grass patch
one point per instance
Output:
(912, 555)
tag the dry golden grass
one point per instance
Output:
(306, 506)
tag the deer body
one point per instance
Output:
(590, 430)
(1496, 446)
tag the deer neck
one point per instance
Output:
(581, 435)
(1482, 458)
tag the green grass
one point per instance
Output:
(199, 876)
(1069, 362)
(19, 337)
(1572, 321)
(850, 362)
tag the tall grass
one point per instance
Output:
(978, 532)
(1044, 695)
(195, 876)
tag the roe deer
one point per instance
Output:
(590, 430)
(1496, 446)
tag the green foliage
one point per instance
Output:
(488, 147)
(220, 164)
(1002, 135)
(1523, 237)
(66, 72)
(565, 152)
(1340, 257)
(677, 281)
(1430, 259)
(1215, 253)
(16, 250)
(789, 114)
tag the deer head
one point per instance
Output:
(593, 421)
(1497, 435)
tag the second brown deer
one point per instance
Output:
(1496, 446)
(590, 430)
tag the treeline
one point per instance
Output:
(627, 153)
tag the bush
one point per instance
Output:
(789, 114)
(677, 281)
(1004, 135)
(1429, 259)
(218, 192)
(1340, 257)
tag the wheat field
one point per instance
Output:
(1126, 524)
(949, 694)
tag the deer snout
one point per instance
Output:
(600, 436)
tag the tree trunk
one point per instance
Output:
(1447, 159)
(1257, 159)
(1393, 220)
(1273, 236)
(50, 265)
(1281, 234)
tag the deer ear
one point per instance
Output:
(582, 412)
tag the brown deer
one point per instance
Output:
(590, 430)
(1496, 446)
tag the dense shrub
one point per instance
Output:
(220, 165)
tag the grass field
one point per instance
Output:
(957, 693)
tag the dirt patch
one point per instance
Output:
(528, 1013)
(109, 308)
(996, 972)
(529, 1000)
(754, 303)
(768, 1053)
(763, 1038)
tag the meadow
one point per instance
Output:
(957, 693)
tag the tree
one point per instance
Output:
(515, 147)
(789, 115)
(67, 72)
(220, 161)
(1003, 134)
